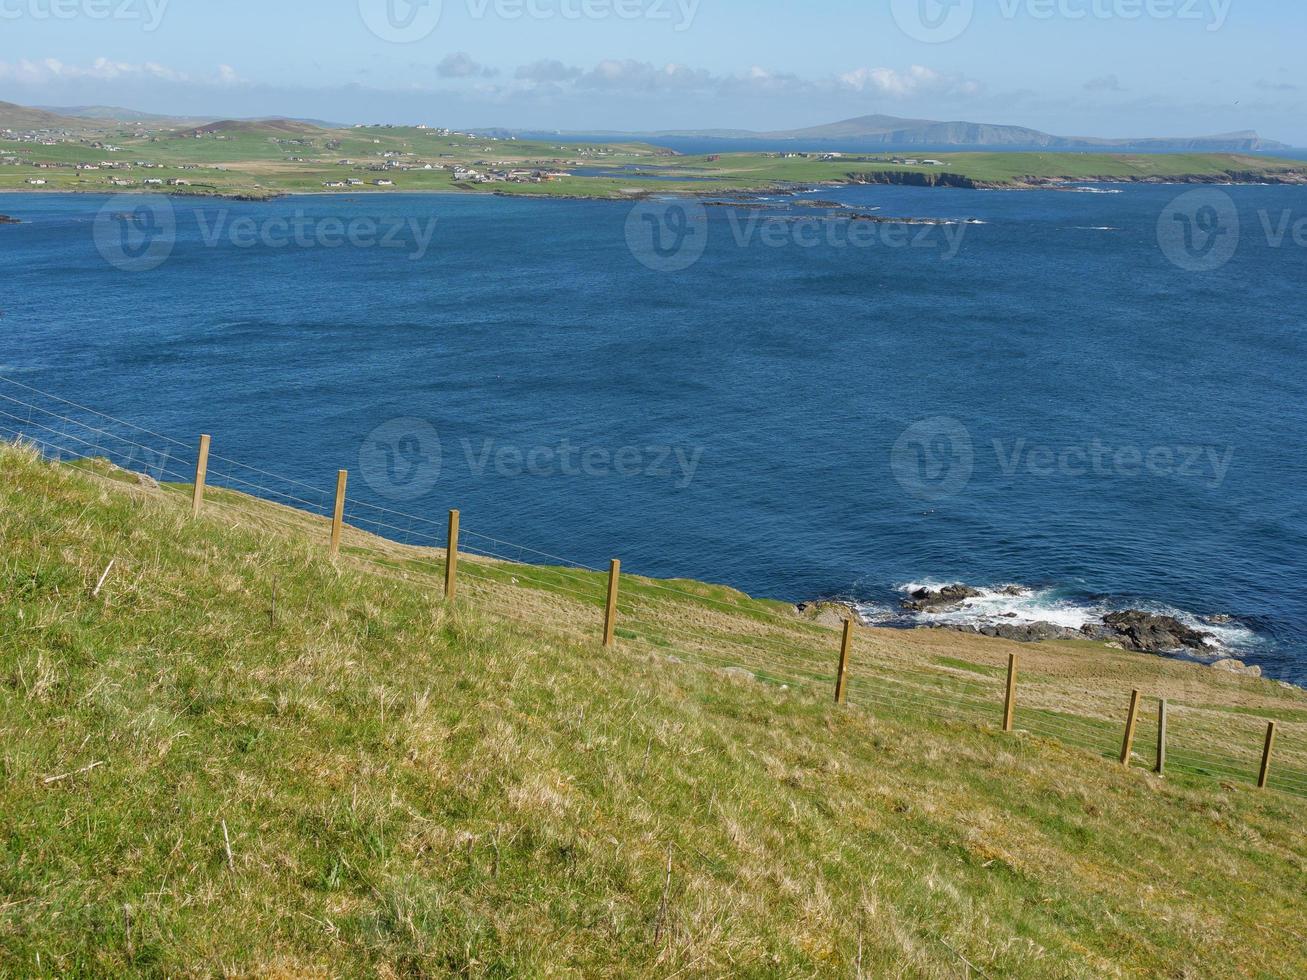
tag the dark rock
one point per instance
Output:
(931, 600)
(1150, 633)
(1098, 631)
(1219, 620)
(1020, 633)
(1031, 632)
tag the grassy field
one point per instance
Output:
(260, 160)
(239, 758)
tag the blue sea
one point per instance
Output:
(1100, 396)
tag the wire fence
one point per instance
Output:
(778, 648)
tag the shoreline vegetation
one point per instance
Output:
(256, 161)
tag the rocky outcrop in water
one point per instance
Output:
(1151, 633)
(949, 597)
(1019, 632)
(939, 600)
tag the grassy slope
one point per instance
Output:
(257, 160)
(410, 788)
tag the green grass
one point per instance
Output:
(412, 789)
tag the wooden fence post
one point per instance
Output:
(451, 558)
(338, 520)
(201, 475)
(846, 650)
(1131, 722)
(1265, 777)
(1161, 738)
(1010, 704)
(610, 612)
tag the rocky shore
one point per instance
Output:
(1131, 629)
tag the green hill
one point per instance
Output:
(236, 757)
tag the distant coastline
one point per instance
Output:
(903, 178)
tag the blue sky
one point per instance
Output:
(1073, 67)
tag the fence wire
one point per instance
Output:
(793, 652)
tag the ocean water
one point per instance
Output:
(1044, 391)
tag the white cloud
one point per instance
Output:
(644, 77)
(1107, 83)
(641, 76)
(461, 65)
(548, 70)
(42, 71)
(917, 80)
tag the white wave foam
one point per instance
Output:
(1012, 604)
(1019, 605)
